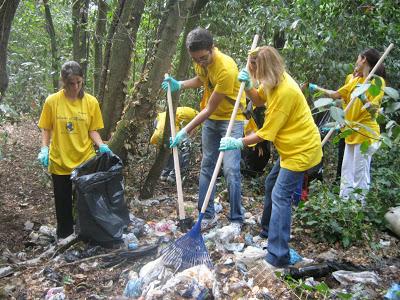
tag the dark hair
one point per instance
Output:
(372, 56)
(199, 39)
(72, 68)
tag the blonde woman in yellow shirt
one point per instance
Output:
(355, 173)
(289, 125)
(69, 122)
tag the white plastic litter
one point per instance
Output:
(348, 277)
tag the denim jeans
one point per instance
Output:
(212, 132)
(280, 186)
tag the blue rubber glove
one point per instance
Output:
(180, 136)
(312, 87)
(245, 77)
(43, 156)
(103, 148)
(230, 143)
(175, 84)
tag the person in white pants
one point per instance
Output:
(355, 175)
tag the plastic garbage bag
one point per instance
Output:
(102, 211)
(392, 218)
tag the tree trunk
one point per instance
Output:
(53, 43)
(79, 32)
(7, 12)
(107, 50)
(181, 73)
(120, 62)
(100, 32)
(140, 106)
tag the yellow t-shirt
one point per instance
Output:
(221, 76)
(359, 115)
(70, 123)
(183, 116)
(290, 126)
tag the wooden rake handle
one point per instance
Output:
(328, 135)
(181, 208)
(228, 133)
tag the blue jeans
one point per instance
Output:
(280, 186)
(212, 132)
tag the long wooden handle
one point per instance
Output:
(328, 135)
(228, 133)
(181, 208)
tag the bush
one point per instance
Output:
(331, 219)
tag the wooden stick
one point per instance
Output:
(228, 133)
(366, 80)
(181, 208)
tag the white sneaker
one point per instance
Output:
(209, 223)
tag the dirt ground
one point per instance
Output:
(26, 200)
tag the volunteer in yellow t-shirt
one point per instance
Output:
(289, 125)
(183, 116)
(217, 74)
(355, 173)
(69, 121)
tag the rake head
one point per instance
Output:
(187, 251)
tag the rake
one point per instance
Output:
(190, 250)
(184, 223)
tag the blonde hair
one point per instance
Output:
(270, 66)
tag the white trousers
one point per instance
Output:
(355, 178)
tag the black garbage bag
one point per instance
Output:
(99, 189)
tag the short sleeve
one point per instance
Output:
(97, 119)
(45, 121)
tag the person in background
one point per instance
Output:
(183, 116)
(217, 74)
(289, 125)
(69, 122)
(355, 172)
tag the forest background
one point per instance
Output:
(126, 47)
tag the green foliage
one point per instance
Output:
(332, 219)
(305, 291)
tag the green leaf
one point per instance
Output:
(322, 287)
(364, 146)
(374, 90)
(345, 241)
(392, 107)
(391, 92)
(337, 114)
(386, 140)
(323, 102)
(361, 89)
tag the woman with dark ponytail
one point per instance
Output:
(361, 118)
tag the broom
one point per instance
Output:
(190, 250)
(328, 135)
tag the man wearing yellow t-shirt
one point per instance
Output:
(217, 74)
(290, 126)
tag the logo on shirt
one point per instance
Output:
(69, 126)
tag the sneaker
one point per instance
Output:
(164, 175)
(171, 177)
(237, 228)
(207, 223)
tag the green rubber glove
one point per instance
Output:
(312, 87)
(230, 143)
(180, 136)
(245, 77)
(103, 148)
(43, 156)
(175, 84)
